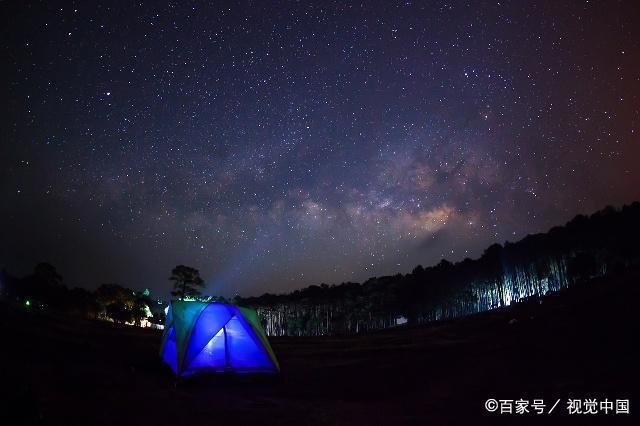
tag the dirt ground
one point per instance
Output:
(582, 343)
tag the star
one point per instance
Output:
(310, 138)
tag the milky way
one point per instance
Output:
(276, 145)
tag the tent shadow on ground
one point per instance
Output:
(215, 380)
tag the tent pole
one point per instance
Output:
(226, 351)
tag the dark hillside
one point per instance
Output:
(580, 343)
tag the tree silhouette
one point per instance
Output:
(109, 294)
(47, 274)
(186, 281)
(122, 304)
(44, 285)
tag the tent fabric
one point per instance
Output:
(215, 337)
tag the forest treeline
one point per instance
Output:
(586, 247)
(44, 290)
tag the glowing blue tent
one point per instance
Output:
(215, 337)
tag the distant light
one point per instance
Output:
(27, 303)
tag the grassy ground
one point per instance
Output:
(582, 343)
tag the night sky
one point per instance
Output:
(276, 145)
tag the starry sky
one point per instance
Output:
(274, 145)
